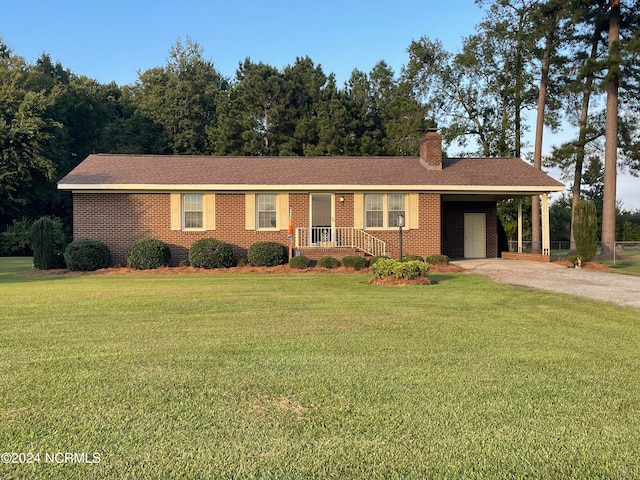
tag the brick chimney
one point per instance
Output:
(431, 150)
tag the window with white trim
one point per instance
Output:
(374, 211)
(192, 211)
(382, 210)
(395, 208)
(266, 208)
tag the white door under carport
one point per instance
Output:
(475, 235)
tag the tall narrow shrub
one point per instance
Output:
(42, 242)
(585, 230)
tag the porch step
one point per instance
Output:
(316, 253)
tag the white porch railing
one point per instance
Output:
(340, 237)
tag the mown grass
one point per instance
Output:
(315, 376)
(627, 261)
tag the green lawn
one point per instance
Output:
(313, 376)
(627, 261)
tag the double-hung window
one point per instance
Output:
(395, 208)
(266, 209)
(374, 211)
(382, 210)
(192, 211)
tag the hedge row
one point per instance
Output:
(151, 253)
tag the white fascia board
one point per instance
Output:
(492, 189)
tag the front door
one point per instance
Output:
(475, 235)
(322, 219)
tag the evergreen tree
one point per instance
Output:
(586, 230)
(42, 243)
(181, 97)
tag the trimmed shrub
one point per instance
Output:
(211, 253)
(410, 257)
(328, 262)
(354, 261)
(148, 254)
(267, 254)
(42, 243)
(375, 258)
(437, 260)
(384, 267)
(585, 230)
(299, 262)
(410, 270)
(185, 263)
(242, 262)
(87, 255)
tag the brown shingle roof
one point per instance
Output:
(103, 171)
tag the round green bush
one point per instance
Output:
(87, 255)
(148, 254)
(299, 262)
(438, 260)
(384, 267)
(328, 262)
(354, 261)
(211, 253)
(267, 254)
(376, 258)
(409, 270)
(242, 262)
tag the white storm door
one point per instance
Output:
(322, 219)
(475, 235)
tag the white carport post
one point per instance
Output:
(546, 238)
(519, 225)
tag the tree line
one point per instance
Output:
(562, 62)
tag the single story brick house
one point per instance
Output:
(317, 205)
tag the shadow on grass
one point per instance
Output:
(19, 270)
(25, 277)
(442, 277)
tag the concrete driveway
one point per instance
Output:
(609, 287)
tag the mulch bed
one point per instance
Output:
(585, 265)
(392, 281)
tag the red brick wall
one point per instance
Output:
(118, 219)
(424, 241)
(453, 227)
(344, 210)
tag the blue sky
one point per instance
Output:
(113, 41)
